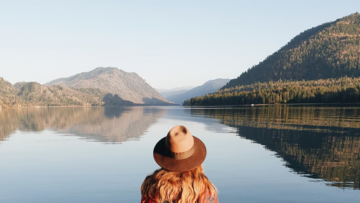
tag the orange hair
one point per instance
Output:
(179, 187)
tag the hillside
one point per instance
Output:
(55, 95)
(342, 90)
(128, 86)
(7, 92)
(169, 92)
(331, 50)
(34, 94)
(19, 85)
(208, 87)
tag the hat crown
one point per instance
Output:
(179, 151)
(179, 139)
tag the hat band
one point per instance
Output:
(183, 155)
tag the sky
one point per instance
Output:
(168, 43)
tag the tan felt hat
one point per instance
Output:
(179, 151)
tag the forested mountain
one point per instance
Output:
(320, 65)
(331, 50)
(128, 86)
(208, 87)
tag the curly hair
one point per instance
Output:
(178, 187)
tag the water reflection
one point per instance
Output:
(113, 125)
(315, 142)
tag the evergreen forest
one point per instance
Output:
(342, 90)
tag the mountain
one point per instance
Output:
(19, 85)
(56, 95)
(320, 65)
(7, 92)
(177, 90)
(174, 89)
(208, 87)
(330, 50)
(172, 93)
(35, 94)
(128, 86)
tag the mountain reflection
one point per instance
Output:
(313, 141)
(111, 124)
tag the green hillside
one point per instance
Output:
(331, 50)
(342, 90)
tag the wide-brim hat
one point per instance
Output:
(179, 151)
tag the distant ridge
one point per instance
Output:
(208, 87)
(128, 86)
(175, 89)
(99, 87)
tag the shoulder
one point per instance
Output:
(207, 198)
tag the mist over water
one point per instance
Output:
(255, 154)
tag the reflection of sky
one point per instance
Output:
(50, 167)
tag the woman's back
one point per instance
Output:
(181, 178)
(178, 187)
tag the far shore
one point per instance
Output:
(289, 104)
(210, 106)
(87, 106)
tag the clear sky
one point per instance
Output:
(168, 43)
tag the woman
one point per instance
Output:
(181, 178)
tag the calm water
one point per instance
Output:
(256, 154)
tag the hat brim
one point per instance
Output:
(163, 157)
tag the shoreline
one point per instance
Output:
(291, 104)
(86, 106)
(195, 106)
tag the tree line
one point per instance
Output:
(342, 90)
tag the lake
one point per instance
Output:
(255, 154)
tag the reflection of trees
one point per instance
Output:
(318, 142)
(100, 124)
(287, 116)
